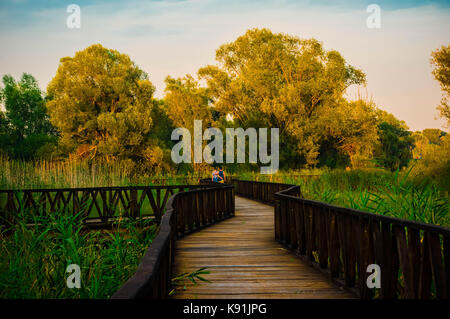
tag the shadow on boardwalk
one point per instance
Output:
(246, 262)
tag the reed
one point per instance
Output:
(17, 174)
(34, 257)
(377, 191)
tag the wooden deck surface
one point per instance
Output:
(246, 262)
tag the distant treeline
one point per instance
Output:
(100, 107)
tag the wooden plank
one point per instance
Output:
(300, 228)
(365, 255)
(333, 244)
(414, 258)
(438, 269)
(302, 294)
(291, 222)
(350, 277)
(389, 262)
(446, 252)
(405, 262)
(425, 270)
(323, 240)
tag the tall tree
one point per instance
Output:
(440, 59)
(186, 101)
(432, 159)
(393, 149)
(277, 80)
(433, 135)
(4, 130)
(352, 130)
(396, 146)
(25, 125)
(101, 102)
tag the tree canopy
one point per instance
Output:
(440, 59)
(186, 101)
(277, 80)
(24, 126)
(102, 103)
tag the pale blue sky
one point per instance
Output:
(178, 37)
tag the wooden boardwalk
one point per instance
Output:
(246, 262)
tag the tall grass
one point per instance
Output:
(17, 174)
(34, 257)
(378, 191)
(373, 190)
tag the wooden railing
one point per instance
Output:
(414, 258)
(185, 212)
(99, 205)
(260, 191)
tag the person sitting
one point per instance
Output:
(215, 175)
(221, 175)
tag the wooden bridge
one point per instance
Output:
(246, 262)
(259, 240)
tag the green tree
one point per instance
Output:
(186, 101)
(383, 116)
(440, 59)
(351, 130)
(432, 160)
(433, 135)
(102, 103)
(276, 80)
(24, 126)
(4, 130)
(395, 148)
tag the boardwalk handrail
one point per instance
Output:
(260, 191)
(100, 205)
(414, 257)
(185, 212)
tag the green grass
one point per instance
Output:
(17, 174)
(34, 258)
(373, 190)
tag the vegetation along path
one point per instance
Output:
(246, 262)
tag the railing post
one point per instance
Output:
(133, 203)
(277, 218)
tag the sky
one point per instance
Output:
(177, 37)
